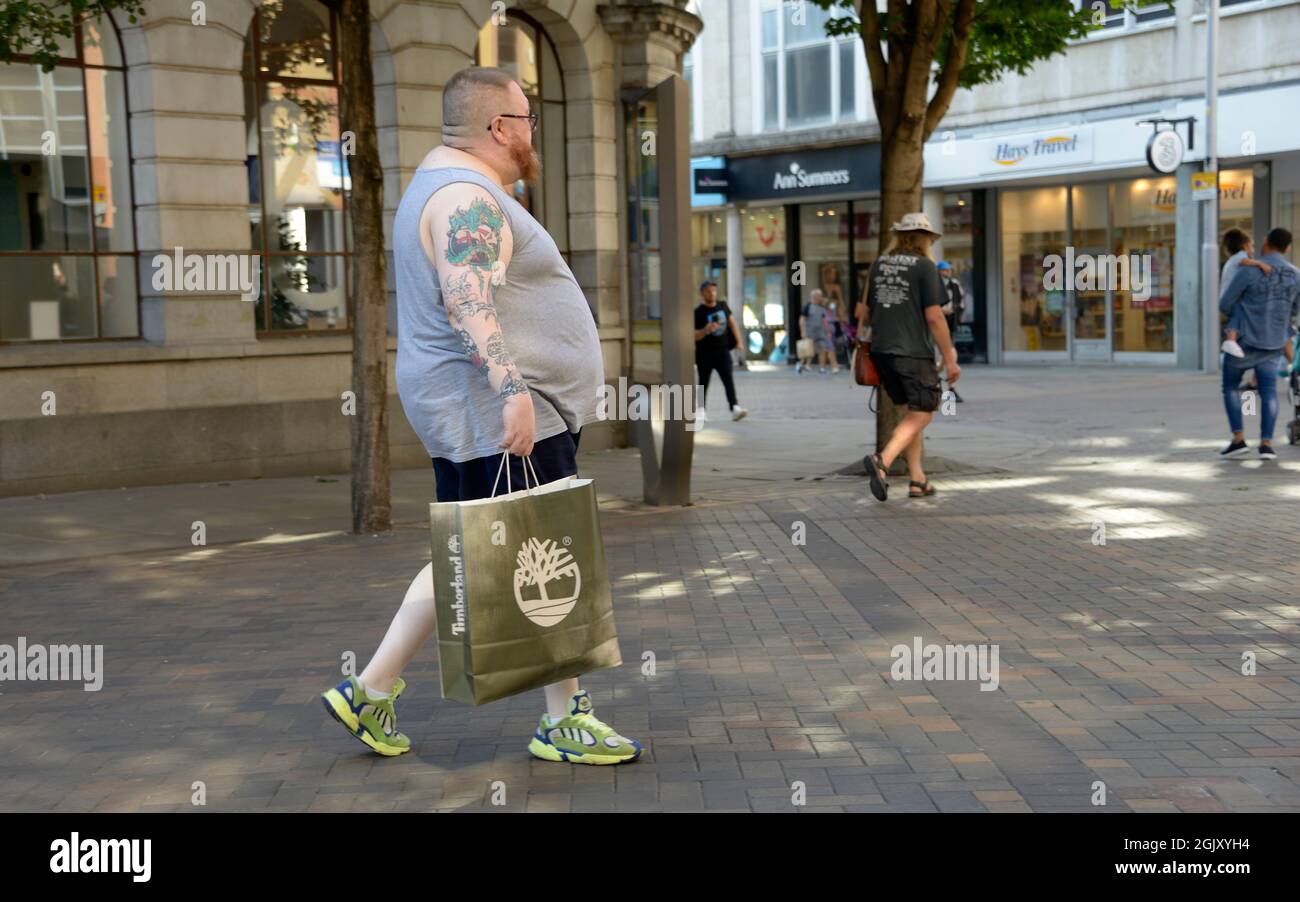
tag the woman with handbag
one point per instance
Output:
(904, 308)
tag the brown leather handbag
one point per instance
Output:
(864, 368)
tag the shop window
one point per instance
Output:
(644, 258)
(298, 177)
(522, 48)
(1088, 235)
(709, 251)
(1237, 201)
(1033, 225)
(67, 231)
(764, 246)
(959, 253)
(824, 246)
(866, 241)
(1288, 217)
(1142, 220)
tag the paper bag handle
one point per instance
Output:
(528, 465)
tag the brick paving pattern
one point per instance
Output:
(1120, 663)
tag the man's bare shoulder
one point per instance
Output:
(463, 195)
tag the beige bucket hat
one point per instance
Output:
(916, 222)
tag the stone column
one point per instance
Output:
(651, 38)
(188, 143)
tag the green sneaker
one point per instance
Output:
(580, 738)
(372, 720)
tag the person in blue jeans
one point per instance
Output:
(1265, 307)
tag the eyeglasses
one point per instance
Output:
(531, 117)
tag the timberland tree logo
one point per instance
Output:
(547, 581)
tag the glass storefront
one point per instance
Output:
(824, 247)
(763, 314)
(1123, 310)
(1142, 219)
(709, 250)
(866, 240)
(1288, 217)
(959, 252)
(1033, 226)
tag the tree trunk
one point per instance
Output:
(902, 162)
(371, 496)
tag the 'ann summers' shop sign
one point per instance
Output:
(1053, 149)
(829, 171)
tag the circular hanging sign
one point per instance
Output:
(1165, 151)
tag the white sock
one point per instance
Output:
(558, 697)
(370, 693)
(412, 626)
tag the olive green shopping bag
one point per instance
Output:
(522, 591)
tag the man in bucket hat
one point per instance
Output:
(904, 306)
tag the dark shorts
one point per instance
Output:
(552, 458)
(913, 381)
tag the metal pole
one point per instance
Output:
(1210, 219)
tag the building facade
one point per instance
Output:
(211, 132)
(1018, 171)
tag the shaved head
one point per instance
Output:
(469, 101)
(486, 114)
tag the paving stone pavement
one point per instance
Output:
(1120, 663)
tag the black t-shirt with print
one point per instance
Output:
(900, 288)
(717, 342)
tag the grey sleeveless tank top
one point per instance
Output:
(544, 317)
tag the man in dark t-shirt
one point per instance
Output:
(713, 324)
(904, 308)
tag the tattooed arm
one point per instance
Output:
(471, 245)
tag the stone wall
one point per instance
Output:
(200, 396)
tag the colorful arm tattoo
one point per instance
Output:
(474, 249)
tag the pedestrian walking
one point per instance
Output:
(1240, 249)
(904, 310)
(497, 352)
(955, 303)
(1263, 308)
(715, 328)
(815, 324)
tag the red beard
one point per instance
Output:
(527, 162)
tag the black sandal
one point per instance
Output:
(925, 489)
(879, 483)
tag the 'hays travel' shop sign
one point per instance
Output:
(812, 173)
(1038, 150)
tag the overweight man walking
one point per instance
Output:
(497, 353)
